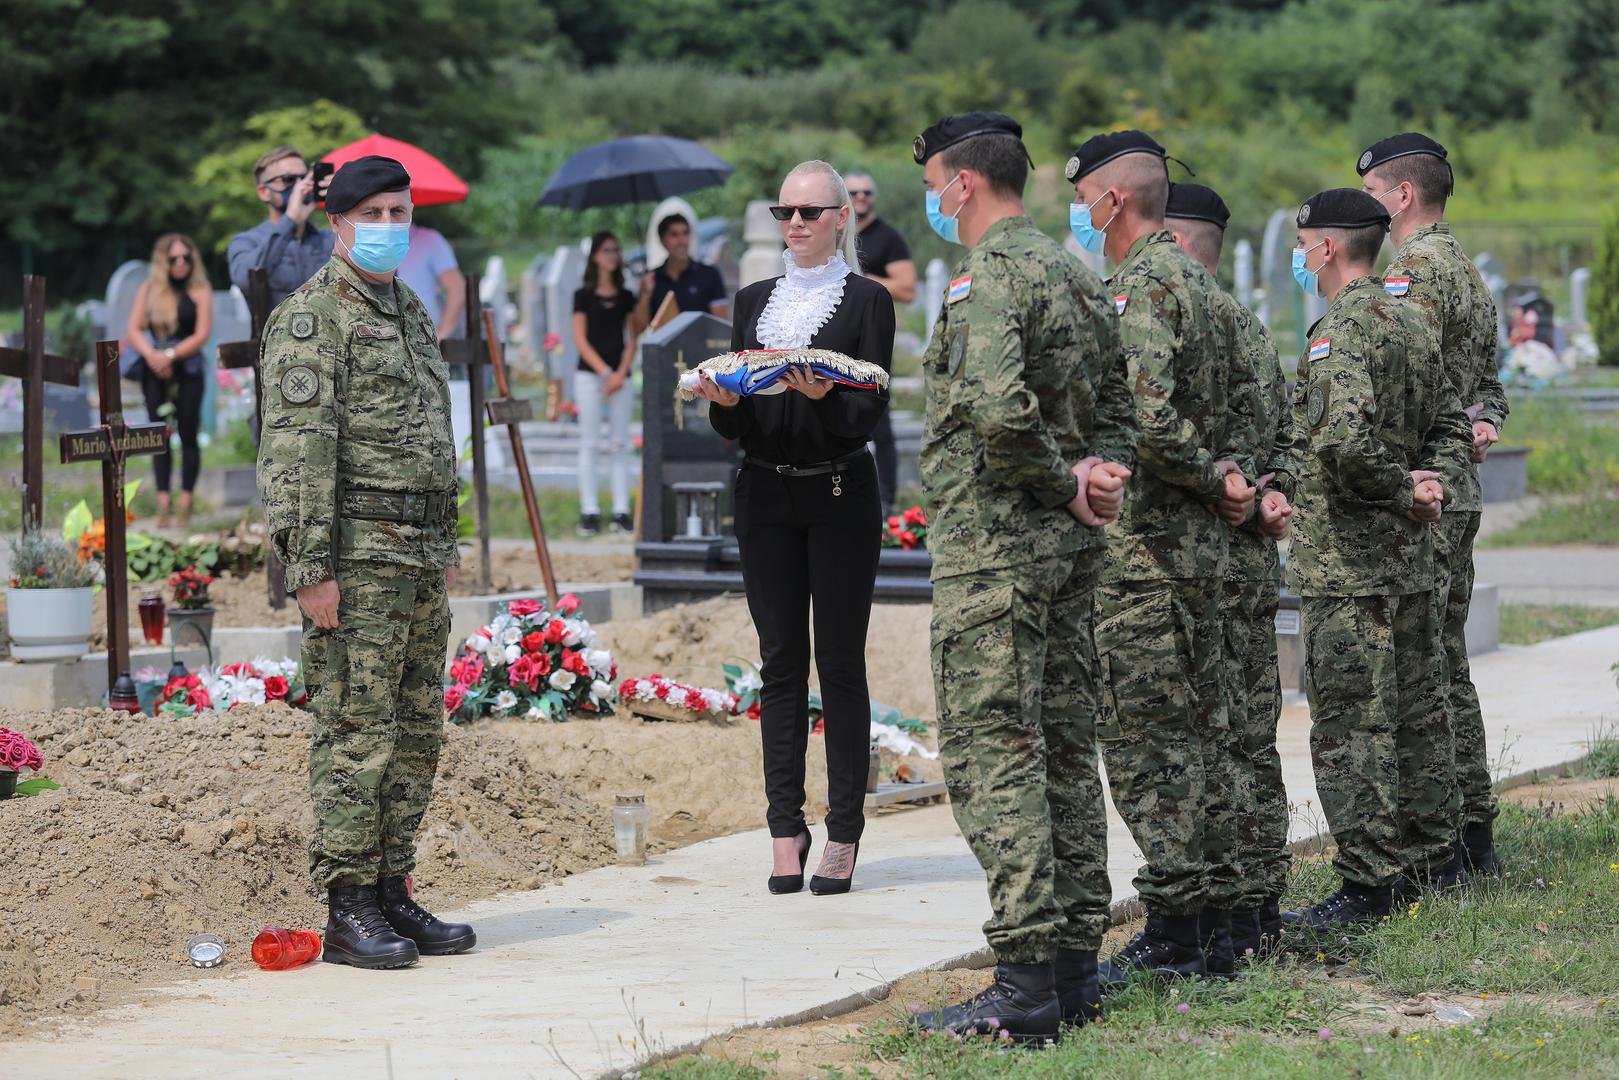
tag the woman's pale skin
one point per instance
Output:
(607, 258)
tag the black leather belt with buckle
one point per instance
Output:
(410, 507)
(819, 468)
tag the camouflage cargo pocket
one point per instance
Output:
(975, 669)
(1146, 658)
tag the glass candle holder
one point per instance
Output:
(151, 610)
(629, 828)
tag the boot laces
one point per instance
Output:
(368, 920)
(407, 906)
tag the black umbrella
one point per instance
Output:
(641, 168)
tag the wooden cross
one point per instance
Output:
(467, 352)
(512, 412)
(245, 354)
(110, 444)
(35, 368)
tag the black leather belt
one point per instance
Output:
(410, 507)
(819, 468)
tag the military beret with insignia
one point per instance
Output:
(1197, 202)
(1342, 208)
(1402, 145)
(953, 129)
(1098, 150)
(362, 178)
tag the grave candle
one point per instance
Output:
(151, 609)
(629, 828)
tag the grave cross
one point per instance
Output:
(110, 444)
(35, 368)
(245, 354)
(512, 412)
(467, 352)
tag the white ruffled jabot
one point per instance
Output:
(802, 301)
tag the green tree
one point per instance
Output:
(1603, 303)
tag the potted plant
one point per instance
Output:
(48, 606)
(191, 615)
(16, 753)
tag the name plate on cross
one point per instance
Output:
(96, 444)
(510, 411)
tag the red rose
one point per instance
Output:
(243, 668)
(453, 698)
(694, 701)
(753, 711)
(471, 671)
(303, 699)
(525, 671)
(542, 661)
(199, 698)
(555, 631)
(907, 539)
(276, 688)
(627, 689)
(534, 642)
(895, 522)
(568, 605)
(523, 607)
(661, 690)
(915, 516)
(575, 662)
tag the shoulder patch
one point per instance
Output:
(958, 351)
(1315, 402)
(1120, 302)
(1396, 286)
(303, 324)
(960, 289)
(300, 384)
(1320, 348)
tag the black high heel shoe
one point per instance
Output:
(832, 886)
(791, 883)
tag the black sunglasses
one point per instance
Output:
(284, 180)
(855, 193)
(175, 260)
(808, 213)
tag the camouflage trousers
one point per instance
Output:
(376, 691)
(1014, 671)
(1453, 552)
(1163, 725)
(1254, 706)
(1380, 736)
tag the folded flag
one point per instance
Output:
(759, 371)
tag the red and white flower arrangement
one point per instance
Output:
(531, 663)
(693, 699)
(247, 683)
(907, 531)
(18, 752)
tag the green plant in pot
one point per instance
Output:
(48, 602)
(191, 617)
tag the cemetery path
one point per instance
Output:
(592, 973)
(1566, 574)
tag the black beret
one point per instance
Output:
(1342, 208)
(1396, 146)
(952, 129)
(362, 178)
(1198, 203)
(1098, 150)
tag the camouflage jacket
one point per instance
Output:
(1023, 380)
(1256, 411)
(1177, 359)
(355, 397)
(1372, 404)
(1432, 269)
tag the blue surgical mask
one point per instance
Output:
(947, 227)
(1307, 279)
(1090, 238)
(380, 249)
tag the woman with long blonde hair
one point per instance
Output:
(169, 323)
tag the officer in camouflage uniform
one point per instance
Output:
(1028, 428)
(1374, 430)
(357, 475)
(1157, 611)
(1409, 174)
(1250, 880)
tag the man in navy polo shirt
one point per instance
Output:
(696, 286)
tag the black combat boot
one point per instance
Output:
(1478, 849)
(1215, 933)
(358, 935)
(1022, 1001)
(411, 920)
(1167, 947)
(1451, 874)
(1247, 940)
(1351, 905)
(1078, 992)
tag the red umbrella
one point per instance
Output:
(431, 181)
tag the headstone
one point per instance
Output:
(1242, 265)
(935, 280)
(563, 276)
(531, 310)
(678, 442)
(120, 297)
(655, 253)
(492, 292)
(243, 355)
(36, 368)
(1097, 263)
(1276, 263)
(761, 260)
(1579, 288)
(469, 352)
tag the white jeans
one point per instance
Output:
(587, 394)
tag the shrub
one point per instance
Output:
(39, 561)
(1602, 308)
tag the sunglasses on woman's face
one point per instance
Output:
(808, 213)
(176, 260)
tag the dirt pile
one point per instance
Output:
(169, 826)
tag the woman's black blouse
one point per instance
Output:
(789, 428)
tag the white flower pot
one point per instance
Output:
(49, 624)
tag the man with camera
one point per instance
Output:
(287, 245)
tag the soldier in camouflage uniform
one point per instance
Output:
(1250, 879)
(1157, 611)
(357, 475)
(1374, 430)
(1409, 174)
(1028, 428)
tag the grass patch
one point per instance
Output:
(1591, 519)
(1526, 624)
(1602, 758)
(559, 512)
(1571, 450)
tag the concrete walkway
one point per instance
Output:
(594, 973)
(1568, 574)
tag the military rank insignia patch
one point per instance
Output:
(1315, 404)
(960, 289)
(1120, 302)
(303, 324)
(300, 384)
(958, 351)
(1320, 349)
(1396, 286)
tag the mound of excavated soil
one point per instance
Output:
(169, 826)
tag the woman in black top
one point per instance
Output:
(808, 517)
(169, 323)
(605, 336)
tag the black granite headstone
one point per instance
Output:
(678, 443)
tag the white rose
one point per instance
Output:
(599, 660)
(512, 652)
(562, 680)
(601, 691)
(534, 713)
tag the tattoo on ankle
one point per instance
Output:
(837, 861)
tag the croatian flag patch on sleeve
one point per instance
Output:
(1320, 349)
(960, 288)
(1396, 286)
(1120, 302)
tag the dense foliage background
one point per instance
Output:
(124, 118)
